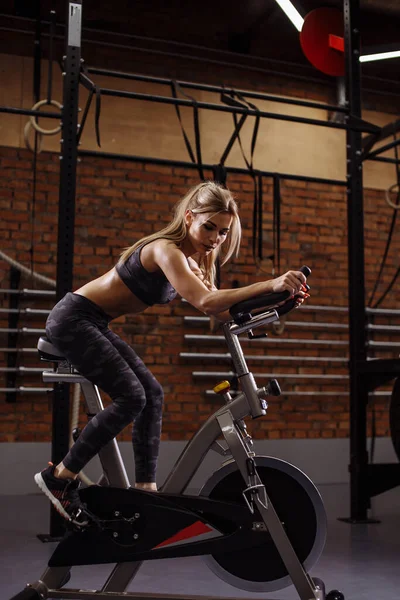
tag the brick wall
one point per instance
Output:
(120, 201)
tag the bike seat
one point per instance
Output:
(47, 351)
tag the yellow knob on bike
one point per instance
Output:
(222, 387)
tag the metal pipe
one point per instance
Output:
(356, 271)
(21, 370)
(23, 390)
(382, 149)
(27, 111)
(25, 311)
(391, 328)
(20, 350)
(383, 311)
(226, 374)
(190, 165)
(372, 344)
(21, 330)
(264, 340)
(217, 89)
(257, 321)
(362, 127)
(308, 324)
(227, 356)
(27, 292)
(303, 393)
(393, 161)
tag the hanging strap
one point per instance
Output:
(276, 225)
(175, 87)
(93, 89)
(258, 253)
(220, 174)
(257, 218)
(97, 114)
(235, 135)
(389, 239)
(226, 99)
(219, 171)
(235, 99)
(85, 114)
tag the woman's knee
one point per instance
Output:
(155, 397)
(130, 401)
(157, 391)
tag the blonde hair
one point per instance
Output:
(207, 197)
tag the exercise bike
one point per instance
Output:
(258, 522)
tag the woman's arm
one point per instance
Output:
(214, 319)
(174, 264)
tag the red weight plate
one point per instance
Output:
(321, 40)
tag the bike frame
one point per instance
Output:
(226, 421)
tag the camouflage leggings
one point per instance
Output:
(79, 329)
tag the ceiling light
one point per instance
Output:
(380, 56)
(292, 13)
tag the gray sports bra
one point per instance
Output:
(150, 288)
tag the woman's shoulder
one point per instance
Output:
(164, 246)
(165, 243)
(156, 252)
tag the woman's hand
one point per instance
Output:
(301, 296)
(292, 281)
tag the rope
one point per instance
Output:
(27, 271)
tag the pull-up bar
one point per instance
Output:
(357, 125)
(217, 89)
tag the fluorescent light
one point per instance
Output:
(379, 56)
(292, 13)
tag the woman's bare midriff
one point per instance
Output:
(112, 295)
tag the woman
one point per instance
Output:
(178, 259)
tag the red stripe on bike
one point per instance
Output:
(192, 531)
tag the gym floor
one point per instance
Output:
(360, 560)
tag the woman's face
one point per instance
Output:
(207, 231)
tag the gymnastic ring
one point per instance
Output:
(36, 126)
(28, 144)
(387, 195)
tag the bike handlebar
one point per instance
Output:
(241, 312)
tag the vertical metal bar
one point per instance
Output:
(235, 350)
(37, 54)
(69, 155)
(15, 276)
(357, 316)
(275, 528)
(66, 219)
